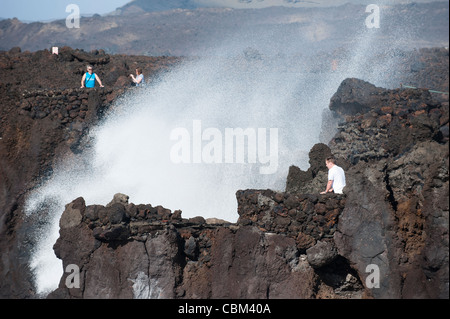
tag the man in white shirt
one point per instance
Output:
(336, 177)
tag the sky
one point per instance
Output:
(45, 10)
(42, 10)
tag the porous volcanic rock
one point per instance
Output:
(150, 252)
(394, 149)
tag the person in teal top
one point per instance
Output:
(89, 78)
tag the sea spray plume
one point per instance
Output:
(131, 149)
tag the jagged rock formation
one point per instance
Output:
(63, 71)
(139, 251)
(37, 127)
(394, 147)
(44, 116)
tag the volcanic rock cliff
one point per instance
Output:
(125, 250)
(294, 244)
(393, 145)
(44, 116)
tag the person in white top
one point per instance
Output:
(336, 177)
(139, 79)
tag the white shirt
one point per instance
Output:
(142, 83)
(337, 175)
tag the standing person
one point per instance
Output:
(336, 177)
(89, 78)
(139, 79)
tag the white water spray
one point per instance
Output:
(131, 149)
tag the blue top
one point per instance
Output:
(90, 80)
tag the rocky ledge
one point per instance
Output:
(125, 250)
